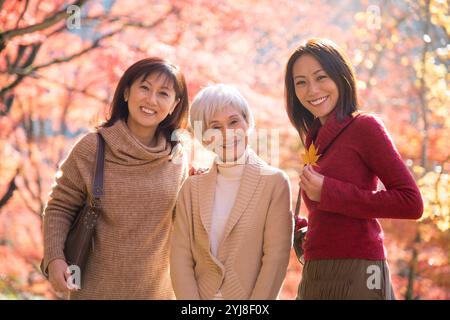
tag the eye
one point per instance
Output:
(164, 93)
(234, 121)
(300, 83)
(144, 87)
(321, 77)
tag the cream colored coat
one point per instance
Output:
(254, 254)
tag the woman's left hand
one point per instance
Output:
(311, 182)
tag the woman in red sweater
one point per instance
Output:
(344, 253)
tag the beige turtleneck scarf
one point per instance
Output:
(131, 256)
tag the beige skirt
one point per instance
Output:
(345, 279)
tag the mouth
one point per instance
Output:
(148, 111)
(230, 144)
(318, 101)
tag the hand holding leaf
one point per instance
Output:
(311, 157)
(310, 180)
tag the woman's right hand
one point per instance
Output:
(195, 172)
(58, 275)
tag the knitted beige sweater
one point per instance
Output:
(254, 253)
(131, 254)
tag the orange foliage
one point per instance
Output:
(246, 44)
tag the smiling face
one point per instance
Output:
(150, 100)
(227, 134)
(315, 90)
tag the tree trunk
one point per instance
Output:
(424, 161)
(409, 294)
(9, 192)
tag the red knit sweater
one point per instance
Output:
(355, 153)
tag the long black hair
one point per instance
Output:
(337, 65)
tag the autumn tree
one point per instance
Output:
(58, 75)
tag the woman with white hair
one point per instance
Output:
(233, 225)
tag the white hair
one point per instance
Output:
(218, 97)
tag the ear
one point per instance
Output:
(126, 94)
(174, 105)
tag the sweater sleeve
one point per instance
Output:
(400, 200)
(181, 259)
(278, 235)
(67, 197)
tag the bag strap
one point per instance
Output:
(299, 200)
(299, 196)
(97, 185)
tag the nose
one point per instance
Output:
(313, 88)
(230, 134)
(224, 133)
(151, 97)
(224, 130)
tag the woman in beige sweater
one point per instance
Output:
(130, 259)
(233, 225)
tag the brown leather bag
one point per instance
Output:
(80, 239)
(300, 229)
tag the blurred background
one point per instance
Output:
(60, 62)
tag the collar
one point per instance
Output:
(323, 136)
(127, 149)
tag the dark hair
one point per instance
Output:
(179, 117)
(336, 64)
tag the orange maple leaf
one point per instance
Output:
(311, 156)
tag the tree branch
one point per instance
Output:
(29, 70)
(379, 53)
(20, 52)
(83, 91)
(8, 103)
(58, 16)
(21, 73)
(129, 22)
(94, 45)
(27, 203)
(173, 10)
(9, 191)
(423, 89)
(22, 13)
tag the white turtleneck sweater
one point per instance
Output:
(227, 186)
